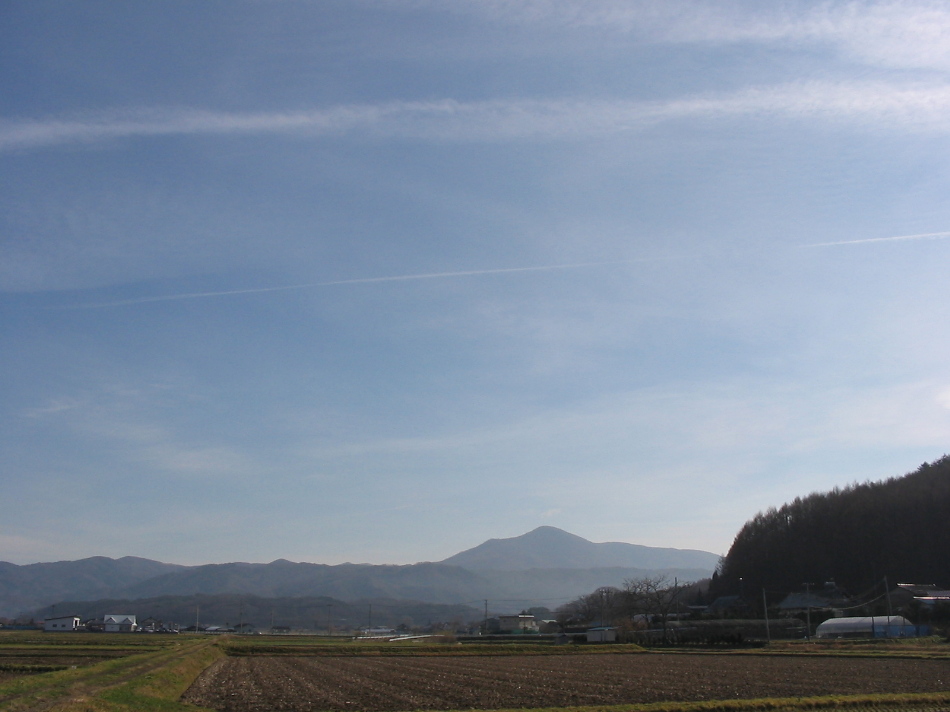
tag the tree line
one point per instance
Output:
(648, 602)
(856, 536)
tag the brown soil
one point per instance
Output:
(292, 684)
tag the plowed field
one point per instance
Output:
(442, 683)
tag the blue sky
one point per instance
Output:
(376, 281)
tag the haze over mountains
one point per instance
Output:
(544, 564)
(553, 548)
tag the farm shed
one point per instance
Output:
(602, 634)
(867, 627)
(61, 623)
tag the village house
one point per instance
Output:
(520, 623)
(119, 623)
(928, 595)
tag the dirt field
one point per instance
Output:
(392, 684)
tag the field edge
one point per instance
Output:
(902, 701)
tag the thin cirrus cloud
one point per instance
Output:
(923, 107)
(896, 34)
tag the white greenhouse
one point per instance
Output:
(869, 627)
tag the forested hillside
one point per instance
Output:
(856, 536)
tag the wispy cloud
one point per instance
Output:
(896, 238)
(149, 443)
(52, 408)
(133, 423)
(894, 33)
(923, 107)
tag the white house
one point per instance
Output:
(119, 623)
(61, 623)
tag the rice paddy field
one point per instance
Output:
(104, 673)
(95, 672)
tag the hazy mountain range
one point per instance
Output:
(541, 566)
(553, 548)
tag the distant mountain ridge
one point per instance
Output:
(543, 564)
(422, 582)
(26, 587)
(553, 548)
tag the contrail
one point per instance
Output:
(448, 275)
(361, 280)
(922, 236)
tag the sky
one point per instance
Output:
(377, 281)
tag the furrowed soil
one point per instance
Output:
(292, 684)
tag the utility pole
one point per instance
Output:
(329, 628)
(887, 591)
(369, 625)
(197, 609)
(807, 611)
(485, 624)
(765, 609)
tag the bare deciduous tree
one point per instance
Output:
(601, 607)
(654, 597)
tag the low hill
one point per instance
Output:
(308, 613)
(854, 536)
(553, 548)
(434, 583)
(431, 582)
(29, 586)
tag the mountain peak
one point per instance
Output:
(548, 547)
(546, 530)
